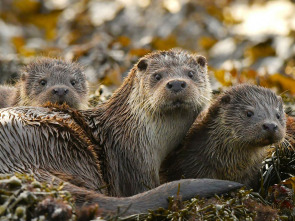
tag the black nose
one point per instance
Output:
(60, 91)
(176, 86)
(271, 127)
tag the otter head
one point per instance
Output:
(172, 81)
(252, 116)
(55, 81)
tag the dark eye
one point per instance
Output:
(158, 77)
(43, 82)
(191, 74)
(249, 113)
(73, 82)
(278, 116)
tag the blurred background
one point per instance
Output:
(244, 41)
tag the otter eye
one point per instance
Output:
(191, 74)
(278, 116)
(249, 113)
(158, 77)
(43, 82)
(73, 82)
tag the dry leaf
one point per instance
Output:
(223, 77)
(206, 42)
(284, 83)
(139, 52)
(259, 51)
(123, 40)
(26, 6)
(46, 21)
(290, 181)
(164, 43)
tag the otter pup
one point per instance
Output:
(47, 80)
(228, 140)
(120, 144)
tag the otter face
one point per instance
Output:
(55, 81)
(174, 80)
(253, 115)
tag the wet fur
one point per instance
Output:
(117, 148)
(58, 73)
(114, 149)
(221, 144)
(137, 135)
(56, 147)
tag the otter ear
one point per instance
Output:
(225, 99)
(142, 64)
(201, 60)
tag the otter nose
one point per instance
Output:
(270, 127)
(60, 91)
(176, 86)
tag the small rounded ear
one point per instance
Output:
(201, 60)
(142, 64)
(225, 99)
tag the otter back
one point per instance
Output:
(48, 80)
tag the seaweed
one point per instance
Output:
(24, 198)
(238, 205)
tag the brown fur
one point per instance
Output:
(64, 82)
(117, 148)
(143, 121)
(225, 143)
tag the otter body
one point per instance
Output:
(56, 149)
(47, 80)
(228, 140)
(119, 145)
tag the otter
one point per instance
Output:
(117, 148)
(47, 80)
(227, 141)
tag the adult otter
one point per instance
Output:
(147, 117)
(47, 80)
(121, 143)
(228, 140)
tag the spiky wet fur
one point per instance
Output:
(136, 128)
(221, 145)
(29, 92)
